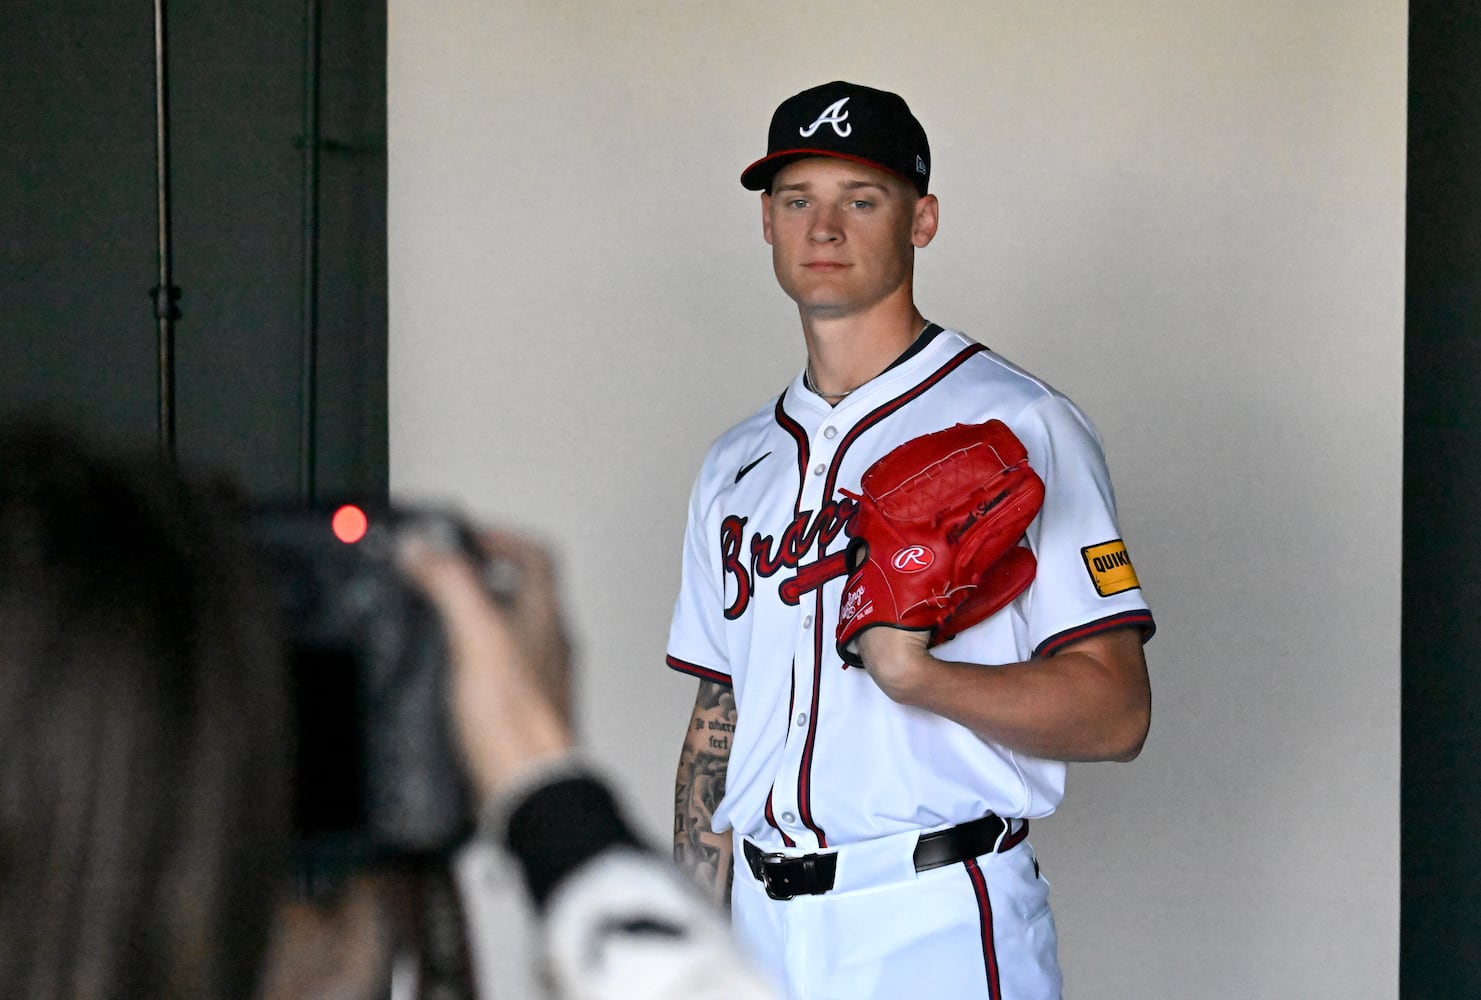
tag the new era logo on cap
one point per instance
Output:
(849, 121)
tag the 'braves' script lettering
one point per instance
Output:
(745, 561)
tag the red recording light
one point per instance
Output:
(349, 524)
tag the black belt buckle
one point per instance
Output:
(775, 862)
(787, 877)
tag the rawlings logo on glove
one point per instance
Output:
(936, 532)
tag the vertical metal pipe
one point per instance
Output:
(310, 306)
(165, 294)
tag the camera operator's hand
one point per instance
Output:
(618, 920)
(511, 661)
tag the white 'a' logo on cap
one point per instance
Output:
(832, 115)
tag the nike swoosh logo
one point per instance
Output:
(747, 468)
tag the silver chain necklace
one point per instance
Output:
(812, 387)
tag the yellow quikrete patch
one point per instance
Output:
(1110, 567)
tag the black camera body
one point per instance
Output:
(378, 773)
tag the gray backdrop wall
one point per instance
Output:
(1189, 216)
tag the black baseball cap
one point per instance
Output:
(847, 121)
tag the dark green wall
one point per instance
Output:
(1440, 909)
(78, 233)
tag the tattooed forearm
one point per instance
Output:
(698, 788)
(697, 791)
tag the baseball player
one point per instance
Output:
(866, 803)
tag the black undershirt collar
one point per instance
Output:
(926, 336)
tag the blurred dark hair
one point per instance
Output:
(145, 738)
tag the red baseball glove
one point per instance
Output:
(936, 532)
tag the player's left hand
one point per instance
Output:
(897, 660)
(935, 532)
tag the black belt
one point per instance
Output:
(786, 876)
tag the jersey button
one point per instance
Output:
(819, 469)
(801, 718)
(830, 433)
(788, 818)
(807, 622)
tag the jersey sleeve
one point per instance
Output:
(1085, 582)
(696, 635)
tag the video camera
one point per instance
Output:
(379, 776)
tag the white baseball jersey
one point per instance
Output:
(821, 757)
